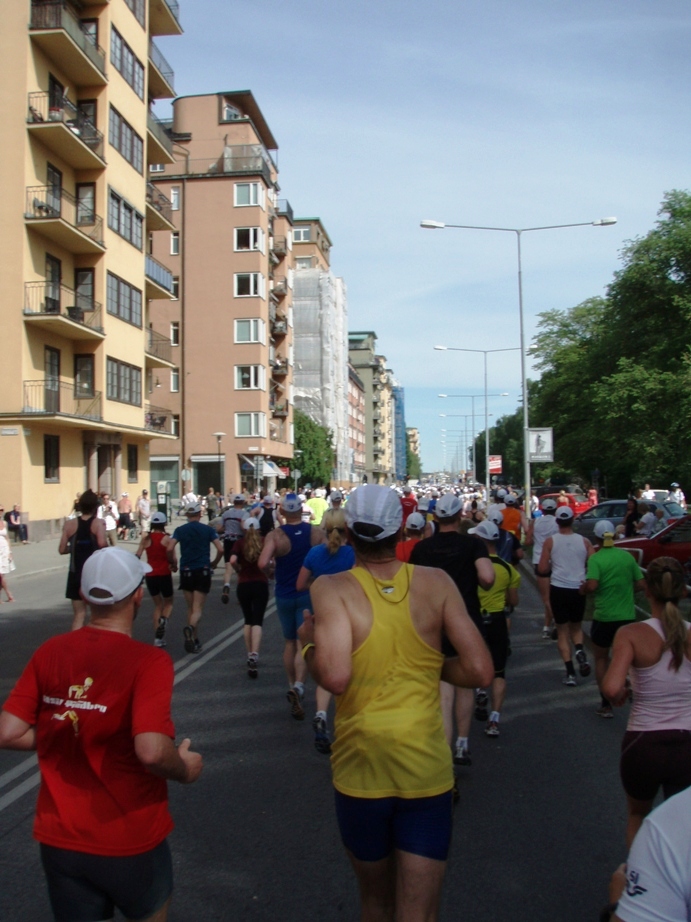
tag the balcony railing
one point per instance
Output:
(60, 15)
(53, 298)
(280, 409)
(157, 419)
(158, 130)
(174, 8)
(43, 108)
(285, 209)
(279, 245)
(159, 345)
(280, 287)
(54, 202)
(60, 398)
(158, 273)
(277, 430)
(160, 63)
(279, 367)
(250, 159)
(279, 328)
(158, 200)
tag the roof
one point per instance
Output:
(246, 100)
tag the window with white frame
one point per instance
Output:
(157, 167)
(249, 285)
(174, 380)
(175, 198)
(175, 425)
(230, 112)
(175, 243)
(176, 288)
(301, 234)
(252, 330)
(249, 193)
(249, 238)
(250, 377)
(175, 333)
(303, 262)
(250, 424)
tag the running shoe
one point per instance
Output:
(296, 709)
(605, 711)
(569, 680)
(252, 671)
(461, 755)
(481, 702)
(197, 645)
(159, 641)
(322, 743)
(492, 728)
(160, 630)
(583, 664)
(225, 595)
(188, 634)
(547, 633)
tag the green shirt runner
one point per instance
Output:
(616, 572)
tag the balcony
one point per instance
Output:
(159, 211)
(56, 29)
(164, 17)
(279, 328)
(159, 280)
(159, 147)
(280, 410)
(63, 129)
(62, 311)
(279, 287)
(278, 431)
(279, 245)
(376, 414)
(376, 399)
(285, 209)
(57, 215)
(378, 432)
(279, 368)
(157, 419)
(159, 350)
(51, 397)
(161, 74)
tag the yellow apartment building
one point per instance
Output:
(77, 285)
(230, 254)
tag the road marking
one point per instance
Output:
(184, 667)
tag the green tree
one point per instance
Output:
(316, 444)
(413, 464)
(505, 439)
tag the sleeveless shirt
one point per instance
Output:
(661, 695)
(389, 733)
(288, 566)
(156, 555)
(569, 555)
(83, 544)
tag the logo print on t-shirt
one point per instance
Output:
(633, 888)
(76, 701)
(69, 715)
(80, 691)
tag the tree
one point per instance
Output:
(315, 443)
(413, 463)
(505, 439)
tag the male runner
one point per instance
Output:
(540, 529)
(95, 704)
(408, 502)
(375, 641)
(231, 527)
(195, 568)
(288, 545)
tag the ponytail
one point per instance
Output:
(334, 523)
(666, 584)
(252, 545)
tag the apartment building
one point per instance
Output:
(399, 441)
(372, 371)
(414, 440)
(230, 253)
(77, 286)
(356, 427)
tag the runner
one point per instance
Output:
(159, 580)
(564, 558)
(252, 589)
(266, 516)
(318, 505)
(414, 531)
(375, 641)
(231, 527)
(124, 516)
(514, 518)
(195, 568)
(540, 529)
(80, 537)
(408, 502)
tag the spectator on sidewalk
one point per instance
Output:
(108, 511)
(14, 525)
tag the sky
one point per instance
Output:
(503, 113)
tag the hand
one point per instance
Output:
(617, 884)
(193, 762)
(306, 629)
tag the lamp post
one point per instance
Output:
(472, 398)
(465, 417)
(222, 487)
(440, 225)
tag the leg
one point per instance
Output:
(255, 637)
(290, 652)
(247, 635)
(158, 608)
(79, 616)
(601, 655)
(498, 693)
(418, 887)
(198, 599)
(323, 699)
(161, 915)
(189, 599)
(576, 632)
(637, 812)
(543, 589)
(377, 884)
(464, 703)
(563, 641)
(10, 597)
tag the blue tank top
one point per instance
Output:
(288, 566)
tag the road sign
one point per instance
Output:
(296, 474)
(186, 474)
(495, 464)
(540, 445)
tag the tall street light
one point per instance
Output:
(465, 417)
(221, 486)
(472, 398)
(484, 352)
(440, 225)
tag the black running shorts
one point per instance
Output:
(652, 759)
(568, 605)
(196, 580)
(602, 632)
(160, 585)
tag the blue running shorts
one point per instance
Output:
(290, 613)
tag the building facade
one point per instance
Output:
(77, 286)
(356, 427)
(400, 459)
(414, 439)
(231, 256)
(376, 379)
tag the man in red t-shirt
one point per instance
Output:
(414, 531)
(95, 705)
(409, 503)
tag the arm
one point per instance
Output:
(614, 682)
(512, 597)
(472, 668)
(67, 532)
(329, 661)
(591, 585)
(234, 562)
(143, 545)
(304, 579)
(485, 572)
(543, 565)
(268, 551)
(16, 733)
(98, 529)
(171, 544)
(219, 553)
(159, 755)
(318, 536)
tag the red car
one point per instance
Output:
(673, 541)
(578, 501)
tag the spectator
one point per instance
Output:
(15, 527)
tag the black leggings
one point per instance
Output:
(253, 598)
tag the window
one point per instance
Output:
(250, 424)
(123, 300)
(303, 262)
(174, 380)
(230, 113)
(125, 220)
(123, 382)
(250, 377)
(249, 238)
(250, 331)
(126, 62)
(176, 288)
(157, 167)
(175, 243)
(132, 463)
(249, 285)
(137, 7)
(83, 376)
(51, 458)
(301, 234)
(175, 198)
(84, 289)
(175, 333)
(175, 425)
(125, 140)
(249, 193)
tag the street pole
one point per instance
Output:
(221, 472)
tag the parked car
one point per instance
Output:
(579, 502)
(615, 509)
(673, 541)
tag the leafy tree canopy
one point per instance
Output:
(315, 442)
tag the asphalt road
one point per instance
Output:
(538, 831)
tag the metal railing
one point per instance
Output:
(285, 209)
(158, 130)
(237, 159)
(53, 298)
(44, 109)
(158, 273)
(280, 286)
(174, 8)
(60, 15)
(54, 202)
(280, 368)
(280, 409)
(159, 345)
(158, 200)
(157, 419)
(277, 431)
(279, 245)
(55, 397)
(279, 328)
(160, 63)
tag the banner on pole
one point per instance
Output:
(540, 445)
(495, 464)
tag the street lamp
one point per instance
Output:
(440, 225)
(472, 398)
(221, 486)
(465, 417)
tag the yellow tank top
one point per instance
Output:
(389, 733)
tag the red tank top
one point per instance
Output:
(156, 555)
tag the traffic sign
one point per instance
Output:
(296, 474)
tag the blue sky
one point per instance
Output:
(512, 113)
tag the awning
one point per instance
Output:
(269, 468)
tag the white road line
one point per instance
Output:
(184, 667)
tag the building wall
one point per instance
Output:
(356, 426)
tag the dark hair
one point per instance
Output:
(373, 550)
(88, 502)
(666, 583)
(448, 519)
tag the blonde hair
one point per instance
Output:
(252, 545)
(666, 583)
(334, 519)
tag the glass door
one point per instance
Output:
(84, 289)
(53, 279)
(52, 380)
(54, 191)
(86, 203)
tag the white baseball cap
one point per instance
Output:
(376, 505)
(496, 516)
(548, 504)
(336, 495)
(238, 498)
(415, 521)
(603, 527)
(292, 503)
(193, 509)
(564, 513)
(423, 504)
(158, 518)
(447, 506)
(510, 499)
(112, 573)
(501, 494)
(487, 530)
(251, 522)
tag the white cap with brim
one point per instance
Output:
(487, 530)
(377, 506)
(496, 516)
(111, 574)
(564, 514)
(193, 509)
(447, 506)
(415, 521)
(238, 498)
(548, 504)
(158, 518)
(291, 503)
(604, 530)
(251, 522)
